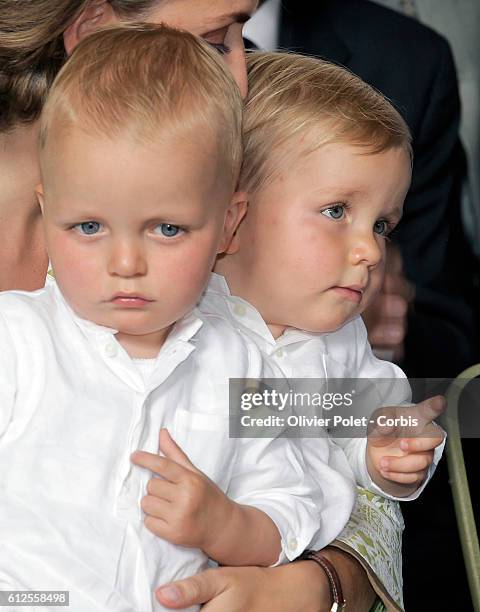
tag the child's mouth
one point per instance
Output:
(350, 293)
(130, 301)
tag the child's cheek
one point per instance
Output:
(75, 264)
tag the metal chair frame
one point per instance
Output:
(459, 483)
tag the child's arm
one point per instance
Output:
(399, 457)
(249, 537)
(186, 508)
(390, 387)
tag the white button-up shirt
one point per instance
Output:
(74, 406)
(343, 354)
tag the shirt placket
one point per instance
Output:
(132, 479)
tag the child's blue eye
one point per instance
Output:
(334, 212)
(89, 228)
(168, 230)
(381, 227)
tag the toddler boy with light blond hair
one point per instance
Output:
(140, 150)
(327, 165)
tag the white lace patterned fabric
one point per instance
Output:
(374, 536)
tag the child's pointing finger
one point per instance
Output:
(161, 466)
(425, 412)
(172, 451)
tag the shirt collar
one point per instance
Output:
(247, 316)
(88, 327)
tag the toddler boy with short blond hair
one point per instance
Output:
(327, 165)
(140, 151)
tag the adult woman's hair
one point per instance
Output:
(32, 50)
(31, 54)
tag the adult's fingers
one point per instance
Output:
(386, 320)
(387, 332)
(394, 260)
(195, 590)
(391, 306)
(397, 284)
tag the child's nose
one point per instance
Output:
(366, 249)
(127, 259)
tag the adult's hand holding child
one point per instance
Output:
(286, 588)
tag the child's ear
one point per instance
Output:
(233, 217)
(96, 15)
(40, 196)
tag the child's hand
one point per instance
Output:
(394, 456)
(183, 506)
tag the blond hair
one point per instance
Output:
(293, 96)
(140, 80)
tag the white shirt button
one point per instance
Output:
(111, 349)
(292, 544)
(240, 310)
(279, 352)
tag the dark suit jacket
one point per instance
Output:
(413, 67)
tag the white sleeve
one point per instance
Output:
(270, 474)
(329, 468)
(7, 376)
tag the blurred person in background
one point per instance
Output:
(459, 22)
